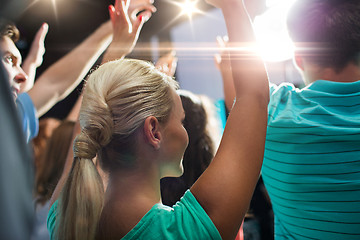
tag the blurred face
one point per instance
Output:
(175, 140)
(11, 59)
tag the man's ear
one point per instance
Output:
(299, 61)
(152, 132)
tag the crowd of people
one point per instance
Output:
(140, 158)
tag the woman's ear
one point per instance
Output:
(152, 132)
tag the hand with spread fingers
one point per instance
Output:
(144, 8)
(167, 63)
(127, 18)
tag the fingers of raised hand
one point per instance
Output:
(37, 49)
(222, 59)
(167, 63)
(119, 16)
(141, 7)
(41, 34)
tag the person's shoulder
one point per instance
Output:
(185, 220)
(51, 219)
(24, 99)
(26, 104)
(28, 116)
(282, 88)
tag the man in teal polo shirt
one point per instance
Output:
(311, 166)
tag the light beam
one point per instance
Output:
(271, 33)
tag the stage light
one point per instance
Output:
(271, 33)
(189, 8)
(186, 7)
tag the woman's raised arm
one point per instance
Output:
(226, 187)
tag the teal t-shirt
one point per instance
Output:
(311, 166)
(185, 220)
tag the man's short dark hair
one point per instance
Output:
(8, 29)
(326, 31)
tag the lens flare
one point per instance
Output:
(271, 33)
(189, 8)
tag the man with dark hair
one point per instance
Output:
(56, 82)
(311, 164)
(326, 32)
(16, 173)
(11, 60)
(8, 29)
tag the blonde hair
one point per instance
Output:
(117, 99)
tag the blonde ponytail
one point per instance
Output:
(118, 97)
(82, 197)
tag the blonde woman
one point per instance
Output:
(131, 121)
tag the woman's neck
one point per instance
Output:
(134, 185)
(129, 196)
(350, 73)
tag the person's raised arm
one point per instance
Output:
(123, 40)
(35, 57)
(64, 75)
(223, 64)
(226, 187)
(222, 59)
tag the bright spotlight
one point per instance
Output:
(271, 33)
(189, 8)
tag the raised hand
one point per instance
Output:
(125, 29)
(127, 18)
(167, 63)
(35, 57)
(222, 59)
(225, 189)
(144, 8)
(223, 64)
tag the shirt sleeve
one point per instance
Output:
(194, 221)
(51, 219)
(278, 94)
(185, 220)
(28, 116)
